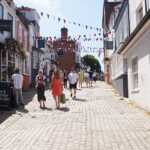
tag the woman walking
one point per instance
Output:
(80, 74)
(65, 76)
(40, 84)
(57, 88)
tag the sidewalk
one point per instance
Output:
(97, 120)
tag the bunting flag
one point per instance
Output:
(65, 21)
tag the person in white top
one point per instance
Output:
(73, 80)
(17, 80)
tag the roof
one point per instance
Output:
(107, 11)
(145, 19)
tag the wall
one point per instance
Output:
(141, 49)
(67, 61)
(133, 6)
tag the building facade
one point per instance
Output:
(136, 50)
(66, 50)
(15, 44)
(110, 12)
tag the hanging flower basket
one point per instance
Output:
(14, 46)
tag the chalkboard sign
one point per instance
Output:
(5, 95)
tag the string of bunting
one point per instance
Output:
(65, 21)
(69, 38)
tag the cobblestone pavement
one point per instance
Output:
(97, 120)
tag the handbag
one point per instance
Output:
(63, 99)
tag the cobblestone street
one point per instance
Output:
(97, 120)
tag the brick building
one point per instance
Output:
(65, 47)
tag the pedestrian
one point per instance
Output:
(51, 72)
(17, 80)
(94, 76)
(57, 88)
(73, 80)
(86, 77)
(90, 78)
(40, 84)
(65, 76)
(61, 75)
(80, 74)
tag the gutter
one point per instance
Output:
(135, 32)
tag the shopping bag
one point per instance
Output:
(63, 99)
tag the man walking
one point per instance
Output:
(73, 80)
(17, 79)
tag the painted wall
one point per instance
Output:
(141, 49)
(133, 7)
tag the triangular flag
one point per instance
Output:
(48, 15)
(64, 21)
(42, 14)
(59, 19)
(29, 9)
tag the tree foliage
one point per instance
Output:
(92, 62)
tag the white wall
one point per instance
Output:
(142, 50)
(117, 66)
(133, 6)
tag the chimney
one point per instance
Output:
(64, 32)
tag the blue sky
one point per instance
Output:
(85, 12)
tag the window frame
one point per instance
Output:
(134, 73)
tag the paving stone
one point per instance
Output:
(97, 120)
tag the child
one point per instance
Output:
(57, 88)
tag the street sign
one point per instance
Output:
(6, 25)
(109, 45)
(41, 43)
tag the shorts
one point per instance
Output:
(91, 79)
(86, 78)
(73, 86)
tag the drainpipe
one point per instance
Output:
(146, 6)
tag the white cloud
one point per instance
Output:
(45, 6)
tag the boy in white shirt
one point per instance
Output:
(73, 80)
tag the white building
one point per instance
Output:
(18, 40)
(136, 50)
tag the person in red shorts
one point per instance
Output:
(57, 88)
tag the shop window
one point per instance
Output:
(135, 72)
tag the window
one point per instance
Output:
(135, 72)
(25, 41)
(9, 17)
(1, 11)
(20, 34)
(139, 15)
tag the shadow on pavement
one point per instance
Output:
(27, 96)
(48, 109)
(79, 99)
(64, 109)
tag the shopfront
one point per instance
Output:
(13, 56)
